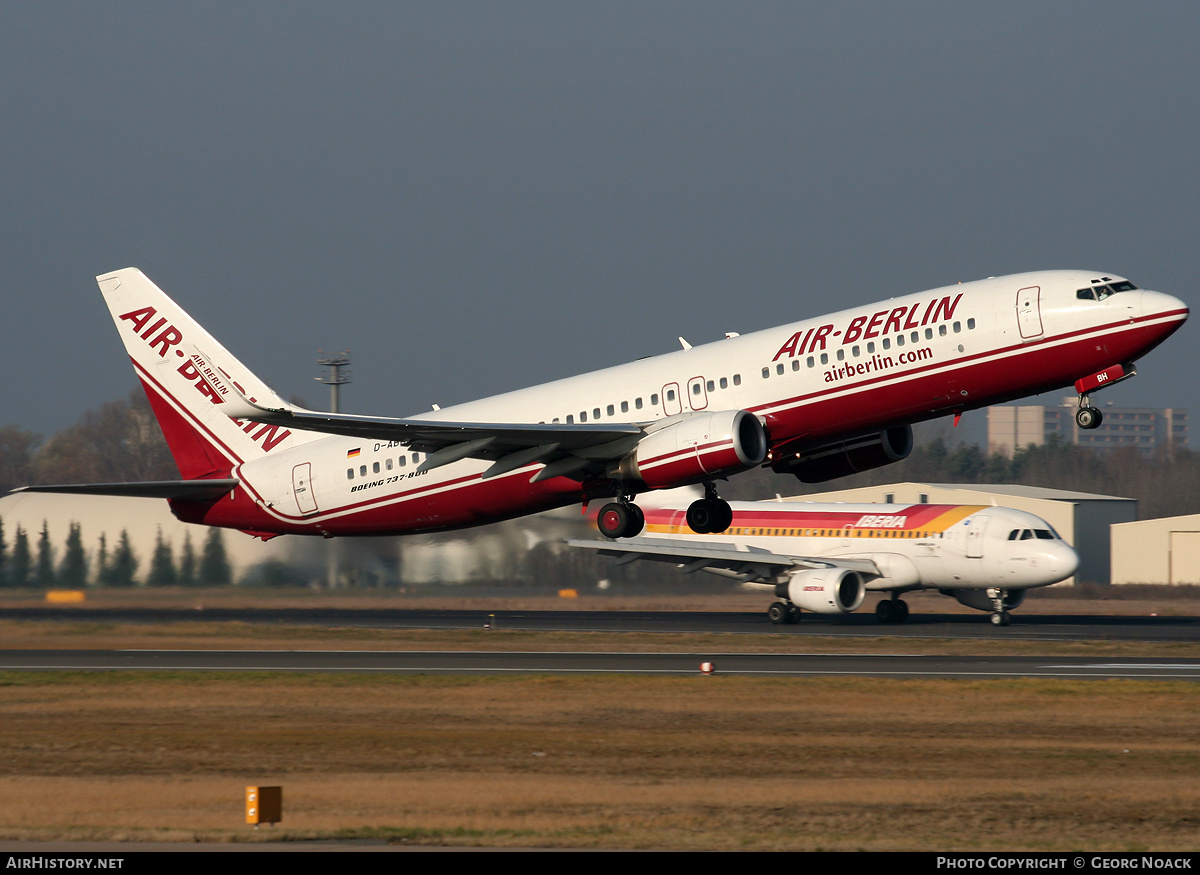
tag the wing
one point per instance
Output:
(191, 490)
(563, 448)
(746, 563)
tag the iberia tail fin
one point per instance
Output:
(188, 377)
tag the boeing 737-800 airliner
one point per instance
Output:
(817, 398)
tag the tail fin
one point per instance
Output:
(188, 376)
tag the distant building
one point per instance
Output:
(1146, 429)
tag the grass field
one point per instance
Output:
(595, 762)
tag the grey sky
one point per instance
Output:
(475, 197)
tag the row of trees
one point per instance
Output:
(23, 565)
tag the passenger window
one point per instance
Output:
(654, 400)
(737, 379)
(811, 361)
(766, 373)
(349, 473)
(970, 325)
(779, 368)
(941, 330)
(583, 416)
(611, 410)
(724, 383)
(624, 406)
(596, 413)
(362, 470)
(570, 419)
(375, 467)
(670, 394)
(795, 364)
(637, 402)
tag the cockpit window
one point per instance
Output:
(1099, 291)
(1043, 534)
(1026, 535)
(1012, 536)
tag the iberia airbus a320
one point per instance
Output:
(818, 398)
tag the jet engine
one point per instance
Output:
(826, 590)
(697, 448)
(848, 457)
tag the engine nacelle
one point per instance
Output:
(697, 448)
(978, 598)
(827, 590)
(849, 457)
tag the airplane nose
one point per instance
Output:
(1159, 304)
(1062, 559)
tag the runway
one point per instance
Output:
(1025, 626)
(678, 664)
(651, 660)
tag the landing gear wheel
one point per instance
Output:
(618, 520)
(1001, 618)
(778, 613)
(793, 615)
(1088, 417)
(899, 611)
(884, 611)
(709, 516)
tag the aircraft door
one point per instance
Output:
(1029, 312)
(697, 397)
(671, 401)
(975, 533)
(302, 488)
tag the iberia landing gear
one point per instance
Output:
(892, 610)
(621, 519)
(1088, 416)
(999, 597)
(709, 515)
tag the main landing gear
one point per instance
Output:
(1087, 416)
(621, 519)
(711, 514)
(783, 613)
(892, 610)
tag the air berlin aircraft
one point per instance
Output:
(818, 399)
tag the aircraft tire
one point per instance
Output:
(615, 520)
(1001, 618)
(1088, 417)
(778, 613)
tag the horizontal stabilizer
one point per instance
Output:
(189, 490)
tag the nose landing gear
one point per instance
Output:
(1088, 416)
(999, 597)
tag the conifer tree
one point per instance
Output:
(214, 566)
(22, 560)
(45, 559)
(123, 567)
(187, 562)
(162, 564)
(73, 571)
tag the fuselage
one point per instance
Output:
(810, 383)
